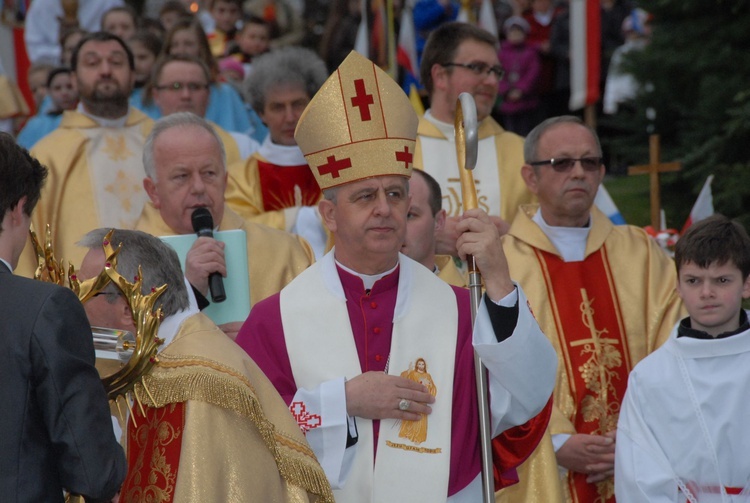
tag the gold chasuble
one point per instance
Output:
(603, 315)
(500, 187)
(274, 257)
(215, 430)
(95, 180)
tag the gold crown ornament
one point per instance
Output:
(360, 124)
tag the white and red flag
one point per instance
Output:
(585, 52)
(703, 207)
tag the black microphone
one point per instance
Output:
(203, 225)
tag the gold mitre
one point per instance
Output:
(360, 124)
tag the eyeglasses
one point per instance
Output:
(565, 164)
(178, 86)
(479, 68)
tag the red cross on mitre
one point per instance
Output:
(305, 420)
(406, 157)
(362, 100)
(333, 166)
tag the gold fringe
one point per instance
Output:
(175, 379)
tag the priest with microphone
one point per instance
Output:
(186, 176)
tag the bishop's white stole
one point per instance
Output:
(413, 457)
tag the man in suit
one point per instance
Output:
(57, 431)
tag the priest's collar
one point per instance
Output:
(447, 129)
(570, 242)
(368, 280)
(171, 324)
(685, 329)
(102, 121)
(281, 155)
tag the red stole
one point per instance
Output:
(594, 346)
(278, 186)
(153, 454)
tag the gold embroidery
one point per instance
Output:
(602, 404)
(161, 477)
(123, 187)
(416, 431)
(116, 148)
(421, 450)
(453, 198)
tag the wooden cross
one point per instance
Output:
(653, 168)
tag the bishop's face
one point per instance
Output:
(368, 219)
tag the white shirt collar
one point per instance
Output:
(281, 155)
(6, 263)
(570, 242)
(171, 324)
(102, 121)
(367, 279)
(447, 129)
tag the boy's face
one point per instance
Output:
(253, 39)
(713, 295)
(225, 14)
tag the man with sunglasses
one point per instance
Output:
(603, 294)
(457, 58)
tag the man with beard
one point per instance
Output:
(458, 58)
(94, 157)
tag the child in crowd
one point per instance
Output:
(519, 109)
(226, 14)
(252, 40)
(122, 21)
(682, 432)
(38, 75)
(146, 48)
(62, 95)
(171, 12)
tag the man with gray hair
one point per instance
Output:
(275, 186)
(603, 294)
(207, 408)
(185, 168)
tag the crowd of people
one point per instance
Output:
(352, 379)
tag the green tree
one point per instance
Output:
(695, 93)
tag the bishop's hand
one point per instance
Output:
(375, 395)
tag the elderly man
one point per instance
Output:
(370, 349)
(424, 220)
(56, 431)
(212, 428)
(185, 170)
(458, 58)
(181, 85)
(275, 186)
(94, 156)
(603, 294)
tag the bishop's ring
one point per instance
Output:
(404, 404)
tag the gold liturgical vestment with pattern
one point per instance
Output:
(602, 315)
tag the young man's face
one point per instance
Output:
(225, 14)
(713, 295)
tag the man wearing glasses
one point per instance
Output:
(182, 85)
(603, 294)
(457, 58)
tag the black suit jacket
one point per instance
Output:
(55, 425)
